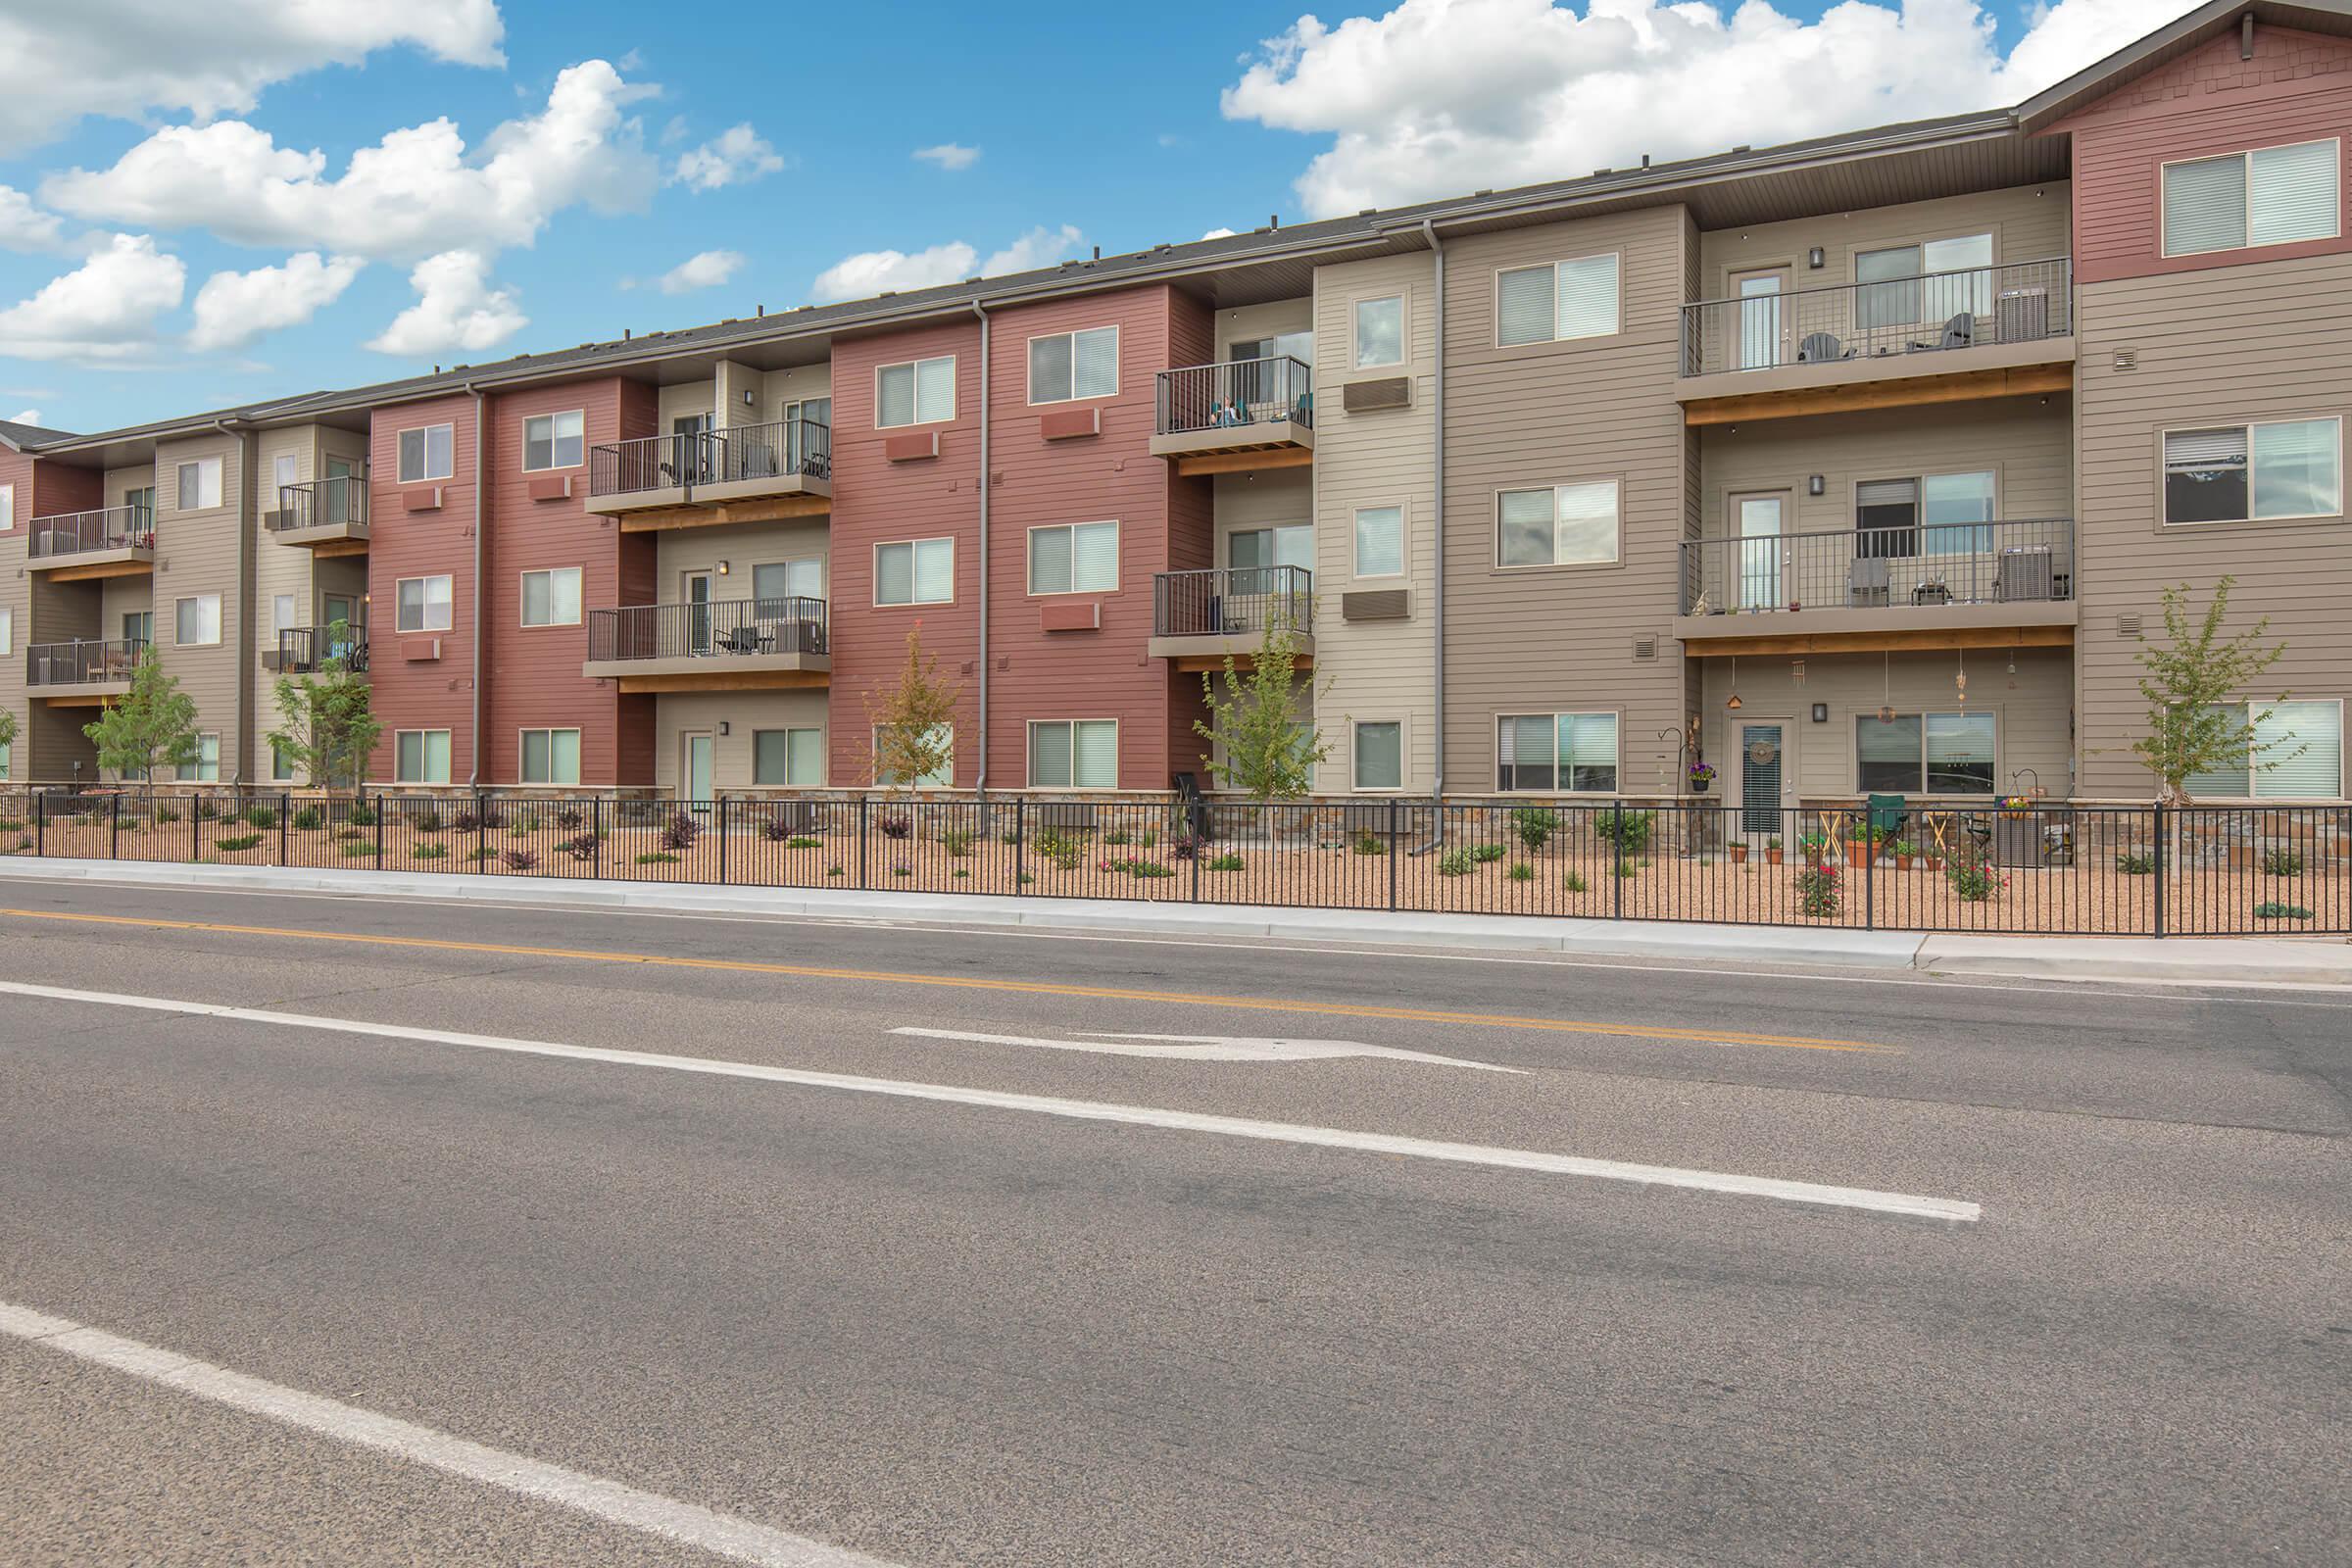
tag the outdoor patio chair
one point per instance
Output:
(1818, 347)
(1888, 816)
(1869, 582)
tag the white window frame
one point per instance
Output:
(285, 471)
(7, 509)
(1405, 562)
(522, 751)
(823, 757)
(7, 630)
(424, 755)
(2165, 435)
(912, 577)
(1405, 768)
(199, 770)
(400, 456)
(281, 764)
(1617, 322)
(207, 484)
(555, 440)
(2245, 156)
(916, 365)
(1355, 331)
(1923, 715)
(2246, 712)
(1616, 556)
(1072, 528)
(1029, 754)
(426, 607)
(1073, 395)
(874, 743)
(283, 609)
(1616, 715)
(522, 597)
(214, 640)
(8, 759)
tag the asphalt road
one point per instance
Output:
(987, 1330)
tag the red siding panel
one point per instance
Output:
(418, 544)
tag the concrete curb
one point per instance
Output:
(2183, 960)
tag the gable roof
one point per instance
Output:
(2155, 50)
(17, 437)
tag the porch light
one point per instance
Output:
(1733, 704)
(723, 569)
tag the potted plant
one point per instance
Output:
(1739, 852)
(1814, 847)
(1771, 849)
(1904, 850)
(1861, 843)
(1702, 774)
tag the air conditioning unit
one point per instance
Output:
(2022, 315)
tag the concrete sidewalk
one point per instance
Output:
(2202, 960)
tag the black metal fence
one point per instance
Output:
(2036, 868)
(780, 449)
(302, 649)
(320, 504)
(1244, 392)
(73, 533)
(82, 663)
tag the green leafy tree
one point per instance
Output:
(913, 721)
(150, 726)
(328, 727)
(2193, 681)
(8, 728)
(1257, 744)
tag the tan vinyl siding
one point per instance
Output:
(1250, 322)
(745, 714)
(1376, 669)
(742, 547)
(801, 382)
(1561, 639)
(2028, 224)
(2252, 342)
(1278, 498)
(676, 403)
(199, 553)
(277, 570)
(2026, 443)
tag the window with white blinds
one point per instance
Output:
(917, 392)
(1077, 558)
(2269, 196)
(1074, 365)
(552, 598)
(1557, 753)
(1563, 300)
(1380, 542)
(777, 580)
(2238, 473)
(1074, 754)
(917, 572)
(1569, 524)
(2297, 754)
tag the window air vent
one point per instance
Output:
(1387, 392)
(2127, 626)
(2127, 359)
(1646, 648)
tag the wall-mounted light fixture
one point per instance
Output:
(723, 569)
(1815, 260)
(1821, 712)
(722, 726)
(748, 399)
(1816, 485)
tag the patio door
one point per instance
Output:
(693, 772)
(336, 505)
(1761, 520)
(698, 613)
(1759, 335)
(693, 444)
(1767, 777)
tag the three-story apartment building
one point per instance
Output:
(1857, 465)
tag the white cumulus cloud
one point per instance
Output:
(455, 307)
(708, 270)
(1218, 233)
(125, 58)
(948, 156)
(871, 273)
(1442, 96)
(232, 309)
(25, 416)
(102, 312)
(24, 226)
(735, 157)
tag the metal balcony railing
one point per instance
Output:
(1242, 393)
(1233, 602)
(2019, 302)
(1919, 564)
(777, 450)
(732, 628)
(320, 504)
(82, 663)
(73, 533)
(302, 649)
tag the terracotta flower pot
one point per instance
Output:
(1934, 862)
(1857, 853)
(1902, 863)
(1773, 856)
(1739, 855)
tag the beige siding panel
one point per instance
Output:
(801, 382)
(198, 553)
(2028, 224)
(1249, 322)
(742, 548)
(677, 713)
(2259, 341)
(2026, 443)
(685, 399)
(1276, 498)
(277, 570)
(120, 482)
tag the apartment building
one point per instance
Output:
(1853, 466)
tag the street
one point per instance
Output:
(926, 1247)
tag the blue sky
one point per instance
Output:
(1120, 125)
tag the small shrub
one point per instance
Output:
(1228, 862)
(9, 824)
(1117, 835)
(1183, 847)
(1456, 862)
(803, 841)
(427, 820)
(1817, 891)
(1574, 882)
(582, 847)
(895, 826)
(957, 842)
(1521, 871)
(1053, 844)
(1148, 868)
(519, 859)
(776, 828)
(962, 872)
(492, 819)
(527, 823)
(1535, 827)
(680, 832)
(1486, 854)
(1009, 838)
(1629, 830)
(1973, 884)
(1368, 842)
(2281, 911)
(2282, 862)
(834, 870)
(307, 820)
(355, 848)
(241, 841)
(571, 817)
(1627, 869)
(901, 870)
(361, 814)
(2134, 862)
(429, 851)
(1025, 879)
(165, 814)
(207, 810)
(467, 822)
(480, 852)
(1773, 842)
(656, 857)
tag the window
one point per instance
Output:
(921, 571)
(919, 392)
(2235, 473)
(1380, 541)
(8, 508)
(942, 779)
(421, 757)
(1078, 557)
(1923, 754)
(281, 765)
(1078, 754)
(552, 598)
(777, 580)
(2271, 196)
(554, 440)
(138, 626)
(1569, 524)
(423, 605)
(1893, 293)
(795, 757)
(2300, 756)
(141, 504)
(282, 613)
(1073, 365)
(1557, 753)
(1957, 508)
(427, 454)
(1300, 346)
(1378, 747)
(551, 756)
(1564, 299)
(1380, 331)
(7, 631)
(196, 621)
(200, 484)
(281, 475)
(6, 761)
(206, 769)
(1292, 545)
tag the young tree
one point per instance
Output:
(1254, 721)
(152, 725)
(330, 727)
(2191, 681)
(913, 721)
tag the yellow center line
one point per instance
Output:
(1336, 1010)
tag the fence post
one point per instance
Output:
(721, 811)
(1870, 872)
(1396, 853)
(1020, 845)
(1616, 860)
(2161, 874)
(195, 833)
(41, 824)
(862, 804)
(286, 809)
(596, 831)
(481, 834)
(114, 832)
(1200, 842)
(379, 828)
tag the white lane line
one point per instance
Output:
(1211, 1048)
(1280, 1131)
(608, 1500)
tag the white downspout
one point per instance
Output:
(980, 784)
(1437, 619)
(473, 771)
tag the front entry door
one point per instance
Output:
(1761, 519)
(1767, 777)
(695, 779)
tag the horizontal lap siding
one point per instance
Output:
(1549, 640)
(745, 714)
(286, 570)
(196, 553)
(2028, 442)
(1192, 524)
(2028, 224)
(436, 695)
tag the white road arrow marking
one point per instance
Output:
(1210, 1047)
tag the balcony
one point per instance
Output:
(1225, 418)
(77, 546)
(81, 673)
(1198, 618)
(302, 650)
(327, 517)
(1852, 590)
(732, 645)
(751, 473)
(1945, 337)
